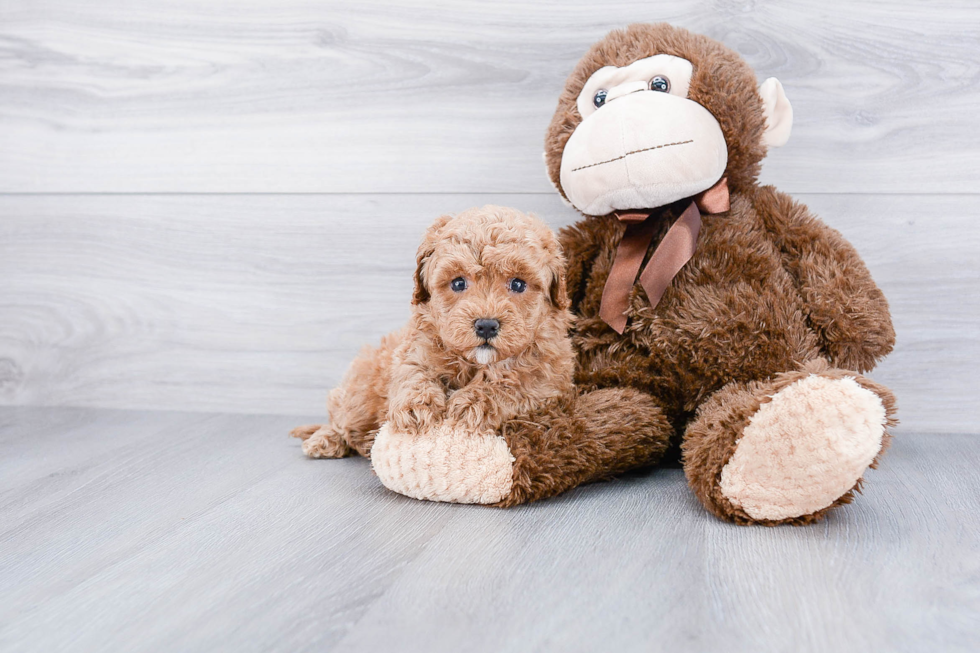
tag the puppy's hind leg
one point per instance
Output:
(334, 440)
(356, 406)
(322, 441)
(304, 432)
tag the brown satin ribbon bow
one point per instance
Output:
(673, 252)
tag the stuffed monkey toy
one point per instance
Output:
(746, 319)
(712, 316)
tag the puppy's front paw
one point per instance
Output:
(420, 412)
(470, 411)
(415, 420)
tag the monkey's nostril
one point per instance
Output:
(486, 328)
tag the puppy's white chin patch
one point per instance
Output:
(485, 354)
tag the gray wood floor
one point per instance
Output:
(164, 531)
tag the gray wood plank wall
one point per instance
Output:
(212, 206)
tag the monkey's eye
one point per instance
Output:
(600, 98)
(458, 284)
(518, 285)
(660, 83)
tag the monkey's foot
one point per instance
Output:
(445, 464)
(797, 447)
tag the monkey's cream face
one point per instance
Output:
(641, 143)
(488, 304)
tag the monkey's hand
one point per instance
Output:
(847, 310)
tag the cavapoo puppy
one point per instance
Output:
(487, 340)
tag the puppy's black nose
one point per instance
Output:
(486, 328)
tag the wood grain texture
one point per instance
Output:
(383, 96)
(258, 304)
(143, 531)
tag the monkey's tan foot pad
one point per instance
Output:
(805, 448)
(444, 465)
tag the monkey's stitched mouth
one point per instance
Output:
(645, 149)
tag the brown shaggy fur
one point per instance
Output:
(770, 289)
(582, 439)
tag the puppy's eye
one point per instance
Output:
(458, 284)
(599, 99)
(518, 285)
(660, 83)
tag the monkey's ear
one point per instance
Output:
(778, 112)
(426, 249)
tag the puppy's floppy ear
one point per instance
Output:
(426, 249)
(557, 290)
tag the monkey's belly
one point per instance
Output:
(444, 465)
(688, 349)
(739, 332)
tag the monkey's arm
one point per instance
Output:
(846, 308)
(580, 244)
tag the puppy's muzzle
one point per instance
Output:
(486, 328)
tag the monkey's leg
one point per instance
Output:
(789, 449)
(594, 437)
